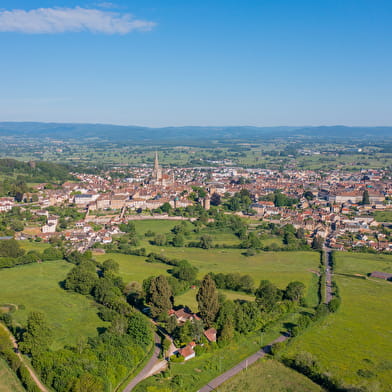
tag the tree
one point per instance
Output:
(166, 207)
(139, 329)
(365, 197)
(38, 336)
(197, 329)
(10, 248)
(178, 240)
(267, 295)
(294, 291)
(227, 332)
(185, 332)
(205, 241)
(110, 266)
(317, 242)
(207, 299)
(171, 324)
(308, 195)
(128, 228)
(159, 297)
(160, 240)
(88, 383)
(227, 311)
(185, 271)
(334, 304)
(52, 254)
(81, 279)
(246, 283)
(215, 199)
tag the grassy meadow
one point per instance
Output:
(278, 267)
(362, 263)
(268, 375)
(36, 287)
(8, 380)
(355, 344)
(189, 298)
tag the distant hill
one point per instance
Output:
(186, 133)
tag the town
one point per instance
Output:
(339, 206)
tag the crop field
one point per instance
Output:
(269, 376)
(8, 380)
(36, 287)
(355, 344)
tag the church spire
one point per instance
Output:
(156, 163)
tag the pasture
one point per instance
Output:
(36, 287)
(8, 380)
(354, 345)
(269, 376)
(362, 263)
(278, 267)
(189, 298)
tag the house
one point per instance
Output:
(210, 334)
(187, 352)
(6, 203)
(184, 314)
(48, 228)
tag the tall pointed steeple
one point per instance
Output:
(157, 171)
(156, 163)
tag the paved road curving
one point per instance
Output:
(146, 371)
(212, 385)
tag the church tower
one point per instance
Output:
(157, 171)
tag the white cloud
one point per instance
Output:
(60, 20)
(107, 4)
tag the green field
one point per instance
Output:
(134, 268)
(36, 287)
(383, 216)
(362, 263)
(8, 380)
(164, 226)
(189, 298)
(278, 267)
(354, 345)
(269, 376)
(38, 246)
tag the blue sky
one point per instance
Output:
(170, 62)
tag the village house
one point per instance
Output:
(182, 315)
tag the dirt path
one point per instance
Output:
(212, 385)
(28, 367)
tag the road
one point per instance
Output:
(152, 366)
(31, 371)
(212, 385)
(328, 274)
